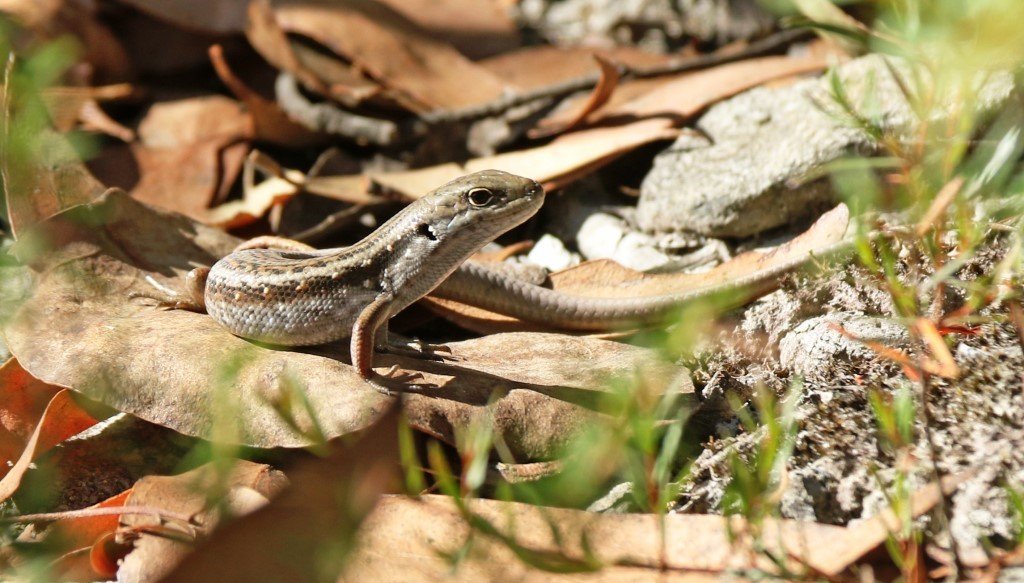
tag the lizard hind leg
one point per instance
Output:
(193, 298)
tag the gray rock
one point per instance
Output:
(756, 172)
(549, 252)
(816, 350)
(607, 236)
(587, 215)
(657, 25)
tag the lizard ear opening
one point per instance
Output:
(425, 231)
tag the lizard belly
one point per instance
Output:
(284, 312)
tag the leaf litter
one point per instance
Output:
(84, 254)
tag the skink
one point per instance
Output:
(304, 296)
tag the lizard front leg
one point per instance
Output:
(363, 343)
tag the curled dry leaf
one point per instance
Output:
(242, 489)
(391, 50)
(606, 278)
(81, 530)
(70, 106)
(76, 536)
(182, 370)
(600, 95)
(22, 402)
(316, 72)
(62, 419)
(534, 381)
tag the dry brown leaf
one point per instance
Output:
(46, 178)
(476, 28)
(253, 205)
(22, 402)
(532, 379)
(205, 16)
(57, 181)
(62, 419)
(930, 335)
(605, 278)
(305, 533)
(76, 537)
(550, 164)
(84, 541)
(163, 366)
(554, 164)
(393, 51)
(542, 65)
(246, 487)
(315, 71)
(258, 199)
(70, 106)
(190, 153)
(685, 95)
(52, 19)
(269, 122)
(628, 545)
(600, 95)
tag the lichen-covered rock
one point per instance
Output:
(817, 348)
(757, 170)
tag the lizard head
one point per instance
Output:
(478, 207)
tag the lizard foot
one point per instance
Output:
(416, 348)
(168, 299)
(166, 303)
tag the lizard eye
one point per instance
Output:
(480, 196)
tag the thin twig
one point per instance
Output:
(945, 501)
(160, 513)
